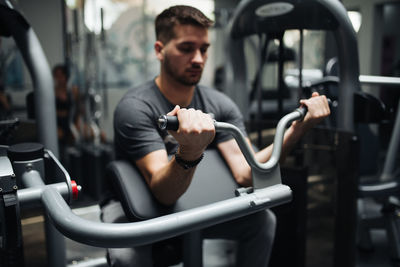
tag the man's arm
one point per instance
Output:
(167, 179)
(318, 109)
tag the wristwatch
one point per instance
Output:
(188, 164)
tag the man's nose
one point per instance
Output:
(198, 57)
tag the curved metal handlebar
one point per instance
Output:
(298, 114)
(259, 170)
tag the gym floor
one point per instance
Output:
(319, 248)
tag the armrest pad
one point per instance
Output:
(212, 182)
(132, 191)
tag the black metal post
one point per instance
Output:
(281, 83)
(347, 161)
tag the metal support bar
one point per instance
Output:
(263, 47)
(346, 203)
(393, 150)
(301, 53)
(193, 249)
(281, 82)
(379, 80)
(32, 178)
(31, 197)
(160, 228)
(364, 79)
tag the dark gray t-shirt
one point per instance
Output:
(135, 119)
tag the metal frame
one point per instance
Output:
(15, 25)
(160, 228)
(149, 231)
(244, 23)
(54, 197)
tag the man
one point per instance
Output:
(181, 47)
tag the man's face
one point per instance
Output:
(183, 57)
(60, 79)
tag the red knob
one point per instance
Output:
(75, 190)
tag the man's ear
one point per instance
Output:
(159, 48)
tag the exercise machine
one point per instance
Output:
(30, 164)
(31, 175)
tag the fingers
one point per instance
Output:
(316, 101)
(314, 94)
(194, 121)
(305, 101)
(317, 105)
(174, 111)
(196, 131)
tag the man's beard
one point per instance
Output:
(184, 80)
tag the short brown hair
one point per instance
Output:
(178, 15)
(63, 68)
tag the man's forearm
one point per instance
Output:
(170, 182)
(291, 137)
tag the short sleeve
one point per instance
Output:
(135, 129)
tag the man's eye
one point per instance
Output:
(203, 50)
(186, 49)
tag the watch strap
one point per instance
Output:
(186, 164)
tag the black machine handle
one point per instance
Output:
(170, 123)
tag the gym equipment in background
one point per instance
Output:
(273, 18)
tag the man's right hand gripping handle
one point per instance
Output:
(193, 130)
